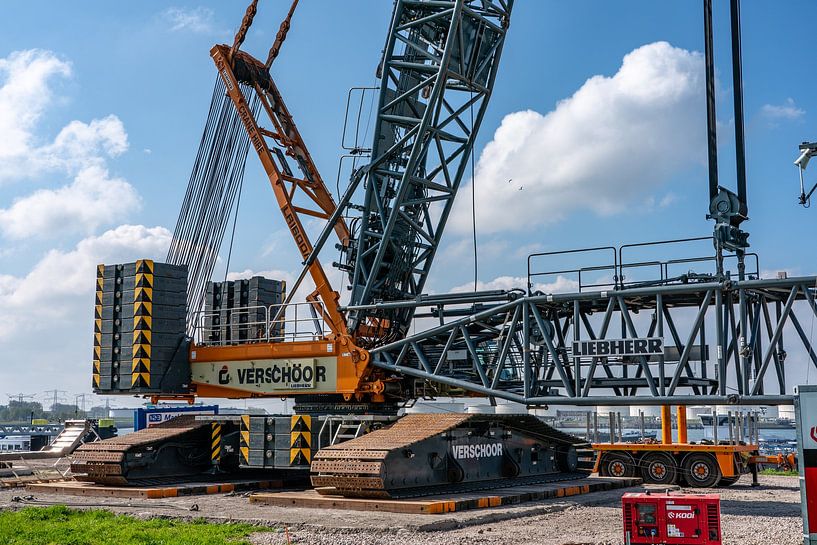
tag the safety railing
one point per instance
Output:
(611, 270)
(577, 275)
(298, 322)
(666, 275)
(260, 324)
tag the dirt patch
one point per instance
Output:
(769, 514)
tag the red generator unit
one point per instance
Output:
(678, 519)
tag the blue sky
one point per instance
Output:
(147, 64)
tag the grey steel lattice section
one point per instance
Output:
(15, 430)
(721, 339)
(437, 74)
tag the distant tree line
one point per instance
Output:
(24, 411)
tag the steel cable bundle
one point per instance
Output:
(211, 194)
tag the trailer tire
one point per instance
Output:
(617, 464)
(658, 468)
(701, 470)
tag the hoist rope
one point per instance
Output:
(811, 334)
(232, 233)
(211, 193)
(474, 196)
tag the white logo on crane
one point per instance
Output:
(479, 450)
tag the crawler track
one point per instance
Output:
(417, 456)
(171, 450)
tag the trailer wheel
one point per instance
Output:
(617, 464)
(701, 470)
(658, 468)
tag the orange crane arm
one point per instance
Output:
(297, 196)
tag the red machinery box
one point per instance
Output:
(672, 519)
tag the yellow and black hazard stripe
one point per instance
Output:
(100, 278)
(244, 440)
(142, 322)
(215, 442)
(300, 440)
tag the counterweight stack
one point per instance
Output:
(139, 341)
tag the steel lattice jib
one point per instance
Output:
(437, 74)
(702, 343)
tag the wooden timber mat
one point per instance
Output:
(432, 505)
(78, 488)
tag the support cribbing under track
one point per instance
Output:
(117, 461)
(370, 466)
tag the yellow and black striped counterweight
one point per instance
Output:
(215, 442)
(100, 278)
(142, 321)
(300, 443)
(244, 440)
(140, 328)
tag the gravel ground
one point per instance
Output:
(768, 515)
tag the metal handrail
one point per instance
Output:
(356, 147)
(578, 271)
(269, 329)
(754, 255)
(316, 314)
(656, 243)
(619, 266)
(210, 334)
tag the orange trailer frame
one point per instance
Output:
(681, 462)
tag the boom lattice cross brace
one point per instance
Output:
(437, 75)
(522, 350)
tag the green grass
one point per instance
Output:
(772, 471)
(60, 525)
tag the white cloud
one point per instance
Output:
(25, 92)
(272, 274)
(668, 200)
(786, 111)
(560, 285)
(199, 19)
(79, 144)
(613, 141)
(46, 325)
(62, 282)
(92, 200)
(79, 150)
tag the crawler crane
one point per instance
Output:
(437, 72)
(358, 363)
